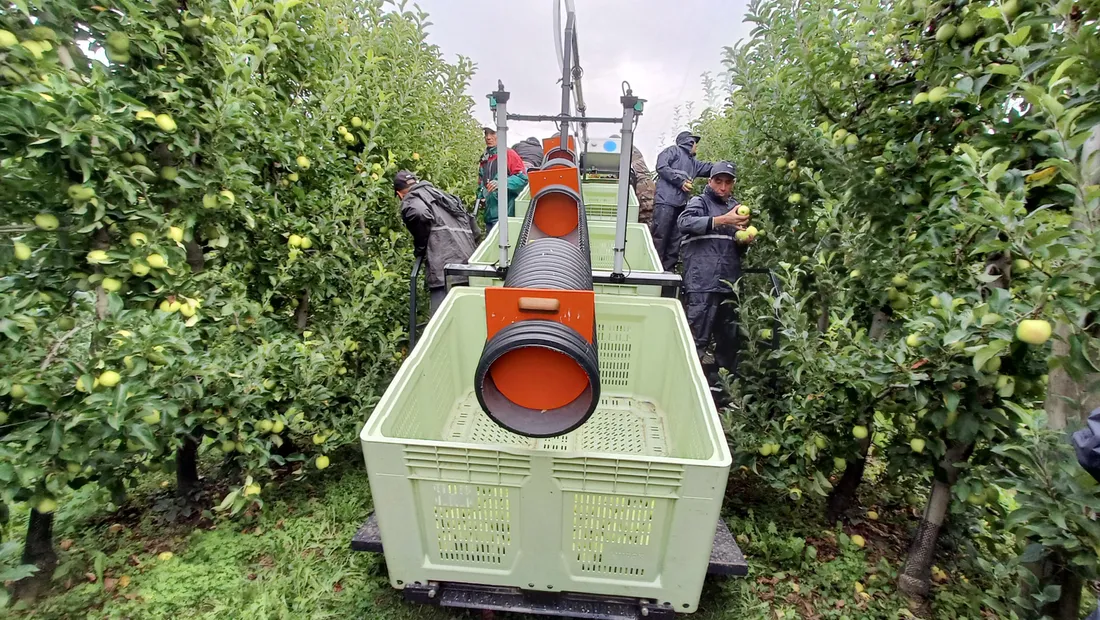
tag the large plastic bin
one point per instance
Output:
(641, 256)
(601, 201)
(623, 506)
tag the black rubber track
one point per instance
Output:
(536, 422)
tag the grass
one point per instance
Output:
(291, 559)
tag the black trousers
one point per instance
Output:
(666, 234)
(714, 314)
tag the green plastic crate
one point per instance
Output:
(626, 505)
(601, 201)
(641, 256)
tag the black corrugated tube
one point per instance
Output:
(553, 263)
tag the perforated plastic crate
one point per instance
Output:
(641, 256)
(601, 201)
(623, 506)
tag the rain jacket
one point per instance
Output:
(711, 255)
(642, 180)
(442, 230)
(675, 165)
(530, 151)
(487, 171)
(1087, 444)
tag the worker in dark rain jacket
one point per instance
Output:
(712, 264)
(442, 230)
(677, 169)
(487, 178)
(1086, 442)
(530, 151)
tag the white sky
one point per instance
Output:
(660, 46)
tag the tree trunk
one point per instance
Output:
(1068, 403)
(38, 550)
(915, 579)
(301, 314)
(187, 467)
(843, 495)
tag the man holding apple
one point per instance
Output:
(715, 234)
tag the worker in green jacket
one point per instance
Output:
(487, 178)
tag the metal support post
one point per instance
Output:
(631, 105)
(499, 104)
(567, 74)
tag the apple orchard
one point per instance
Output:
(926, 177)
(200, 256)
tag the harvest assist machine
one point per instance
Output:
(550, 446)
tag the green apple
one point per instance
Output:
(859, 432)
(839, 463)
(912, 340)
(22, 251)
(916, 445)
(1033, 331)
(1021, 265)
(938, 94)
(46, 221)
(321, 462)
(794, 198)
(781, 162)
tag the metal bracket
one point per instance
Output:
(423, 593)
(670, 283)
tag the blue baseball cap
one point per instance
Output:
(723, 167)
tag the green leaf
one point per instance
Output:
(1017, 38)
(988, 352)
(1055, 79)
(1006, 69)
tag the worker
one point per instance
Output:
(677, 169)
(712, 264)
(487, 178)
(530, 151)
(1086, 442)
(443, 231)
(641, 179)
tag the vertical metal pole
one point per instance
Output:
(567, 75)
(501, 98)
(626, 152)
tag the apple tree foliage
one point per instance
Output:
(923, 176)
(199, 244)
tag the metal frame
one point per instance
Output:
(726, 559)
(670, 283)
(569, 63)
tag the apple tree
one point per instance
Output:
(199, 249)
(941, 197)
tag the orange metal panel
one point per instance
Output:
(576, 309)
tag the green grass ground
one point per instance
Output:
(291, 560)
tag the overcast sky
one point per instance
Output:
(660, 46)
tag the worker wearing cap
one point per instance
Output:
(712, 264)
(443, 231)
(487, 178)
(530, 151)
(677, 169)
